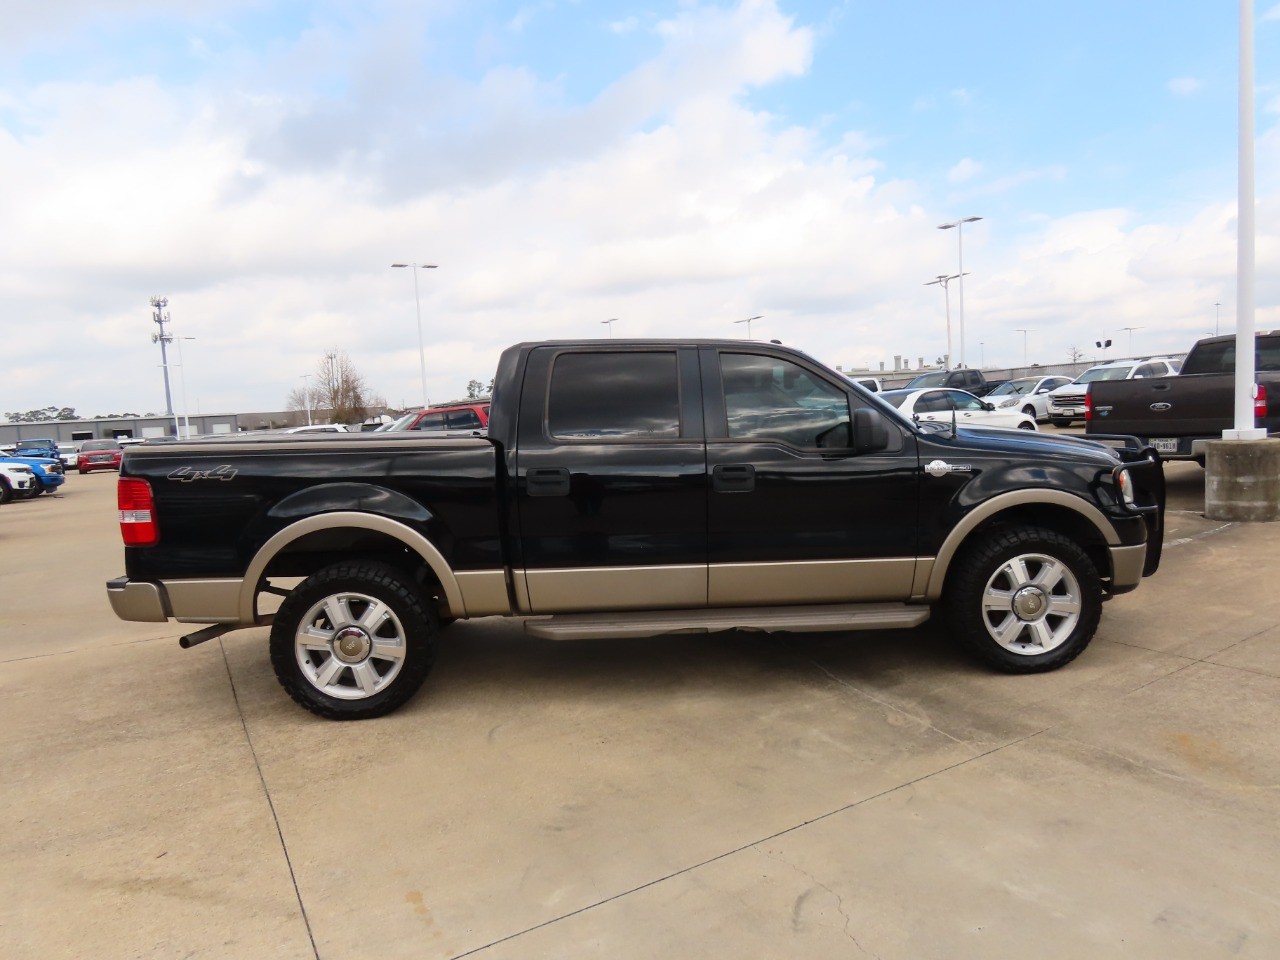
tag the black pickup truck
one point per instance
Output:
(1176, 415)
(635, 488)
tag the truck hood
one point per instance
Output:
(1033, 444)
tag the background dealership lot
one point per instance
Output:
(734, 795)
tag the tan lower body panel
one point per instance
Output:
(204, 601)
(810, 581)
(484, 592)
(570, 590)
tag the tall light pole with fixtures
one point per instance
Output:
(1024, 346)
(943, 280)
(959, 228)
(748, 323)
(1216, 307)
(161, 317)
(417, 304)
(610, 322)
(1131, 329)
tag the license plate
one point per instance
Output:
(1165, 444)
(1069, 411)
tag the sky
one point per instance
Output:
(674, 165)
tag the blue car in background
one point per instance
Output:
(46, 449)
(48, 472)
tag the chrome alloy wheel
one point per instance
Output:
(350, 646)
(1031, 604)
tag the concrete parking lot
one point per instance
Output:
(841, 795)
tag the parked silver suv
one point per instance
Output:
(1067, 403)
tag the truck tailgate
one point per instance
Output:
(1181, 406)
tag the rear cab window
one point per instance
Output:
(628, 396)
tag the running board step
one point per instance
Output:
(652, 623)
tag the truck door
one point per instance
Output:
(794, 516)
(610, 480)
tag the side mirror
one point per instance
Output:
(988, 406)
(870, 432)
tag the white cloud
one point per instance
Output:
(1184, 86)
(626, 25)
(270, 215)
(1272, 14)
(965, 170)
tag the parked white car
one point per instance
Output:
(967, 409)
(1067, 403)
(16, 480)
(69, 454)
(1028, 394)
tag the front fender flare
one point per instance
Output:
(989, 508)
(413, 540)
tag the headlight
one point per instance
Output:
(1126, 488)
(1012, 401)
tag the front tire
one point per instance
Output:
(6, 492)
(1024, 599)
(1027, 425)
(355, 640)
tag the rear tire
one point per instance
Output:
(6, 492)
(353, 641)
(1023, 599)
(1027, 426)
(1030, 411)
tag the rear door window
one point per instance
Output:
(629, 395)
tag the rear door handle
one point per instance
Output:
(733, 478)
(547, 482)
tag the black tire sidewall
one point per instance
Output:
(975, 565)
(393, 587)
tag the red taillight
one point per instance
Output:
(138, 527)
(1088, 405)
(1259, 402)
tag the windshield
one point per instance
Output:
(930, 379)
(99, 445)
(401, 424)
(1104, 373)
(1013, 388)
(895, 397)
(34, 444)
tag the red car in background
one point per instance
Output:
(463, 415)
(99, 455)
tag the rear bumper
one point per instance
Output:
(137, 601)
(187, 601)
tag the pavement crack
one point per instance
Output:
(921, 721)
(266, 791)
(747, 846)
(778, 858)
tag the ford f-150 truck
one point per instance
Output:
(635, 488)
(1177, 415)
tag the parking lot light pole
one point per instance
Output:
(1131, 329)
(943, 280)
(417, 306)
(959, 228)
(748, 323)
(609, 323)
(1024, 346)
(306, 395)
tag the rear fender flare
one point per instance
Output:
(413, 540)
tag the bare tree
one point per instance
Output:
(1075, 353)
(336, 392)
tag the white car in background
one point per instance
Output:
(1028, 394)
(967, 410)
(69, 454)
(16, 480)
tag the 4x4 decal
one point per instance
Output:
(186, 474)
